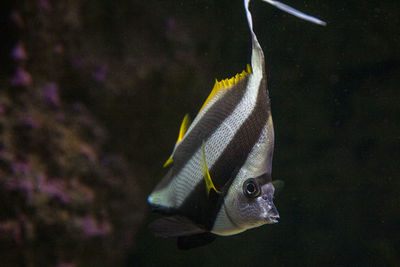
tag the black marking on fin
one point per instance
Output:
(193, 241)
(173, 226)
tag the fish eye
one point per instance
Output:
(251, 189)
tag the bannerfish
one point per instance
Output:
(219, 178)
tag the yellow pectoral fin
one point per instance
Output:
(206, 174)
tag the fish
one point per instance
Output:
(219, 180)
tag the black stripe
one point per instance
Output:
(197, 206)
(204, 128)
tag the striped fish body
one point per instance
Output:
(219, 181)
(233, 124)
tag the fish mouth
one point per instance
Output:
(272, 219)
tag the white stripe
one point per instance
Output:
(203, 111)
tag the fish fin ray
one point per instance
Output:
(184, 127)
(257, 58)
(193, 241)
(226, 84)
(169, 161)
(209, 183)
(295, 12)
(174, 226)
(182, 131)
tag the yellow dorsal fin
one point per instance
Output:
(226, 84)
(184, 126)
(182, 131)
(206, 173)
(169, 161)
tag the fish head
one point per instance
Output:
(249, 202)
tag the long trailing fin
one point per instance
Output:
(226, 84)
(295, 12)
(206, 173)
(182, 131)
(257, 57)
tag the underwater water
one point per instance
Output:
(93, 93)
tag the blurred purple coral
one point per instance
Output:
(21, 77)
(52, 167)
(85, 193)
(22, 184)
(8, 229)
(78, 107)
(13, 229)
(20, 167)
(58, 48)
(20, 181)
(91, 227)
(17, 19)
(100, 72)
(88, 152)
(76, 62)
(65, 264)
(60, 116)
(55, 188)
(45, 5)
(29, 122)
(18, 52)
(171, 23)
(50, 94)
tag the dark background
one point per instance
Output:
(126, 72)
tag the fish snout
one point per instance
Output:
(271, 214)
